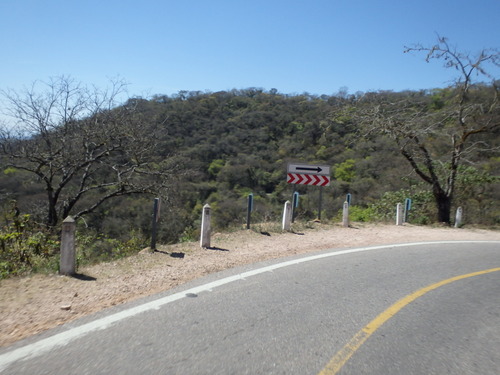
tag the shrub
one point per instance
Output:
(94, 248)
(25, 246)
(422, 208)
(363, 214)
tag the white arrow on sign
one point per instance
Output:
(322, 170)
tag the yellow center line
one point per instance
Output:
(343, 355)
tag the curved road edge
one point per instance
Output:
(63, 338)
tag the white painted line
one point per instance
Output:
(64, 338)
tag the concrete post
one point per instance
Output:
(205, 226)
(287, 216)
(67, 263)
(345, 214)
(458, 217)
(399, 214)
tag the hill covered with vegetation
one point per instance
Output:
(76, 152)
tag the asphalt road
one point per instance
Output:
(297, 317)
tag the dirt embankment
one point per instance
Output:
(33, 304)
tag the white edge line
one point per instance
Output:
(63, 338)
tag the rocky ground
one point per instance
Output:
(32, 304)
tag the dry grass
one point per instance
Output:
(33, 304)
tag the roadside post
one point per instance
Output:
(458, 217)
(295, 204)
(249, 209)
(205, 227)
(348, 198)
(345, 215)
(67, 263)
(154, 226)
(407, 209)
(287, 216)
(399, 214)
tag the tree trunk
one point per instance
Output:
(51, 210)
(443, 202)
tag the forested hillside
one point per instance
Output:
(239, 142)
(75, 152)
(226, 145)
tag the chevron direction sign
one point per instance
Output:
(307, 174)
(308, 179)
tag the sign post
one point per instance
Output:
(295, 204)
(320, 207)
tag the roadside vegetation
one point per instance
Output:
(73, 150)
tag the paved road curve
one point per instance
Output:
(294, 317)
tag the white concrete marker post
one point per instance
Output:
(67, 264)
(399, 214)
(345, 215)
(458, 217)
(205, 227)
(287, 216)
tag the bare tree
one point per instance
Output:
(452, 119)
(82, 146)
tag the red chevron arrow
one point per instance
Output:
(307, 179)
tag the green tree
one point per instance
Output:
(345, 171)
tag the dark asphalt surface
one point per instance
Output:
(292, 320)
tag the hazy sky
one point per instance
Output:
(295, 46)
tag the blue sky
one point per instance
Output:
(295, 46)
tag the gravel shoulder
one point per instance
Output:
(33, 304)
